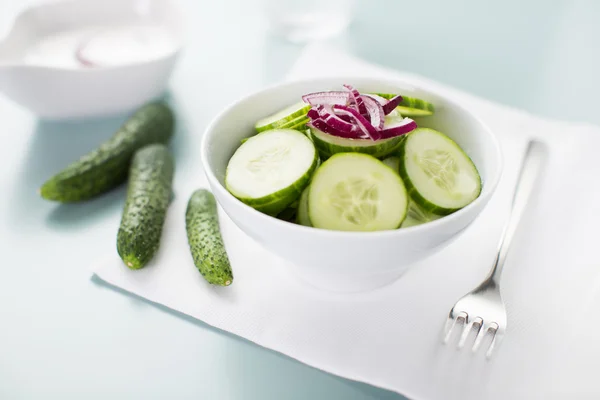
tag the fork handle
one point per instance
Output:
(530, 168)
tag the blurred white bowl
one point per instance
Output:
(57, 90)
(348, 261)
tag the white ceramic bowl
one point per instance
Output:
(348, 261)
(58, 92)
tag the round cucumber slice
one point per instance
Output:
(356, 192)
(269, 171)
(283, 117)
(328, 145)
(410, 106)
(302, 217)
(438, 174)
(393, 162)
(300, 125)
(417, 216)
(301, 120)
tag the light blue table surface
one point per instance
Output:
(65, 336)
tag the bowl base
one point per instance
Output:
(343, 284)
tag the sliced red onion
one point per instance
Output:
(332, 97)
(327, 114)
(313, 114)
(391, 104)
(375, 111)
(324, 127)
(365, 126)
(380, 99)
(357, 101)
(346, 118)
(405, 126)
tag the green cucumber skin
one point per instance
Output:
(424, 108)
(300, 126)
(106, 167)
(273, 204)
(285, 124)
(412, 191)
(300, 121)
(148, 196)
(326, 150)
(302, 217)
(205, 240)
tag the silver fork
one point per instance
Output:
(483, 308)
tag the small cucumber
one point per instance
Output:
(148, 196)
(107, 166)
(205, 240)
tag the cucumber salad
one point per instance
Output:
(350, 161)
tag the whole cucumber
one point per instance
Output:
(148, 197)
(205, 240)
(106, 167)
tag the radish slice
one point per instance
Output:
(375, 111)
(333, 97)
(365, 126)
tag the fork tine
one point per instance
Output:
(495, 341)
(465, 333)
(448, 328)
(479, 334)
(451, 323)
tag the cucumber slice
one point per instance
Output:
(438, 174)
(302, 217)
(356, 192)
(269, 171)
(417, 216)
(410, 106)
(303, 119)
(300, 125)
(283, 117)
(288, 215)
(393, 162)
(328, 145)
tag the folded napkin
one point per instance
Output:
(391, 337)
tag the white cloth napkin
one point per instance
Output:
(391, 337)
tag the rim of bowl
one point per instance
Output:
(490, 184)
